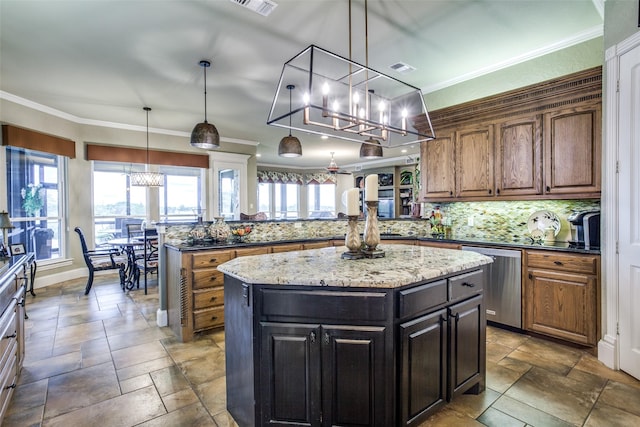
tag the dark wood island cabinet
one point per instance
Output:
(312, 339)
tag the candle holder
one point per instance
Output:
(352, 240)
(372, 232)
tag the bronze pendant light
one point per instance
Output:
(370, 149)
(290, 145)
(205, 135)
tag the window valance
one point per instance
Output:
(110, 153)
(280, 177)
(295, 178)
(32, 140)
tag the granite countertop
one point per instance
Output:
(402, 265)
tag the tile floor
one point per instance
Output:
(101, 360)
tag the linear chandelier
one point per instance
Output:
(147, 178)
(343, 99)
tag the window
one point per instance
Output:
(321, 200)
(181, 196)
(115, 202)
(279, 201)
(228, 193)
(35, 187)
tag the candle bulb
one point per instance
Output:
(352, 202)
(325, 99)
(371, 188)
(404, 120)
(305, 115)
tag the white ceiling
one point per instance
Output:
(101, 61)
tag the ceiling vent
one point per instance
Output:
(358, 168)
(410, 161)
(402, 68)
(263, 7)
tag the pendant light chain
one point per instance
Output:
(147, 109)
(204, 67)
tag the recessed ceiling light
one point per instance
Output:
(402, 68)
(258, 155)
(404, 150)
(324, 137)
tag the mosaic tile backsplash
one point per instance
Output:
(492, 221)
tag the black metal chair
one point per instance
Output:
(100, 259)
(148, 263)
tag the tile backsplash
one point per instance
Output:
(492, 221)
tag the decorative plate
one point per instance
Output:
(541, 220)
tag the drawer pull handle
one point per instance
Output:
(214, 317)
(213, 299)
(11, 336)
(471, 285)
(456, 316)
(213, 278)
(557, 262)
(326, 338)
(10, 386)
(213, 259)
(312, 337)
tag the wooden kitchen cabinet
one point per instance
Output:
(572, 145)
(534, 143)
(561, 295)
(286, 247)
(474, 161)
(437, 176)
(443, 245)
(518, 156)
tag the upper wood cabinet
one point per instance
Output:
(438, 167)
(474, 162)
(572, 150)
(518, 156)
(538, 142)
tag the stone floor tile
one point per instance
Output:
(125, 410)
(29, 396)
(473, 405)
(609, 416)
(591, 364)
(180, 399)
(80, 389)
(204, 369)
(224, 419)
(562, 397)
(622, 396)
(138, 354)
(45, 368)
(527, 414)
(194, 415)
(31, 417)
(169, 380)
(180, 352)
(497, 352)
(135, 383)
(500, 378)
(505, 338)
(77, 334)
(213, 395)
(143, 368)
(447, 417)
(494, 418)
(129, 339)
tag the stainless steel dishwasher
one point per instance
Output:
(503, 294)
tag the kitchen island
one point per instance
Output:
(313, 339)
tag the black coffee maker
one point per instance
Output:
(585, 229)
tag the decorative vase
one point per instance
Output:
(371, 234)
(352, 240)
(199, 232)
(220, 230)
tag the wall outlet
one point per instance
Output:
(470, 221)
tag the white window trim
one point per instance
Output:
(221, 161)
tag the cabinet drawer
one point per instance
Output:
(7, 328)
(421, 298)
(261, 250)
(208, 298)
(286, 248)
(466, 284)
(8, 377)
(208, 318)
(211, 259)
(207, 278)
(587, 264)
(324, 304)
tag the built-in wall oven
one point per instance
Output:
(503, 294)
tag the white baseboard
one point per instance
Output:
(161, 318)
(55, 278)
(608, 352)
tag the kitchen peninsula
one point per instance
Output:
(313, 339)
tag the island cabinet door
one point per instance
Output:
(423, 366)
(355, 378)
(290, 375)
(467, 333)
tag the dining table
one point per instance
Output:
(128, 246)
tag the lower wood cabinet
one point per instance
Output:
(561, 296)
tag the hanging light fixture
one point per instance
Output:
(349, 101)
(205, 135)
(290, 145)
(147, 178)
(371, 149)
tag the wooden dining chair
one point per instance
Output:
(148, 262)
(100, 259)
